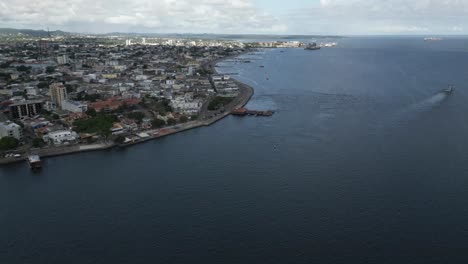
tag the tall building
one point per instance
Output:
(10, 129)
(25, 109)
(63, 59)
(58, 93)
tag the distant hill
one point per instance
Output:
(30, 32)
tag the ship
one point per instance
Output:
(432, 39)
(312, 46)
(34, 162)
(449, 89)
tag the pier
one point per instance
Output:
(248, 112)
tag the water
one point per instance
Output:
(365, 161)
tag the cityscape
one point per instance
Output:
(64, 94)
(233, 131)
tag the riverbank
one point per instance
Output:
(245, 94)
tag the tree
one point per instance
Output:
(23, 68)
(120, 139)
(138, 116)
(171, 121)
(91, 112)
(37, 142)
(158, 123)
(55, 116)
(70, 88)
(183, 119)
(50, 69)
(42, 85)
(8, 143)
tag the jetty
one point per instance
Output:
(248, 112)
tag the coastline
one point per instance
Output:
(245, 94)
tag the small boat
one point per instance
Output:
(450, 89)
(34, 162)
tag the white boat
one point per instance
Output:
(449, 89)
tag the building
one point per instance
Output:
(58, 93)
(10, 129)
(25, 109)
(74, 106)
(60, 137)
(63, 59)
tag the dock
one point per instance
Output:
(247, 112)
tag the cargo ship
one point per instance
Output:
(34, 162)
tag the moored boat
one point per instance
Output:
(34, 162)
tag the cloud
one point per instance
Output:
(383, 16)
(217, 16)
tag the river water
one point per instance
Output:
(364, 161)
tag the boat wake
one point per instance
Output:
(413, 111)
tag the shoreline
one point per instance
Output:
(245, 94)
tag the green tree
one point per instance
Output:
(50, 69)
(91, 112)
(8, 143)
(158, 123)
(42, 85)
(138, 116)
(171, 121)
(183, 119)
(23, 68)
(120, 139)
(37, 142)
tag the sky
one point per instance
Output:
(323, 17)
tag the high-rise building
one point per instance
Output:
(63, 59)
(10, 129)
(25, 109)
(58, 93)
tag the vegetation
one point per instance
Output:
(50, 69)
(183, 119)
(23, 68)
(100, 124)
(37, 142)
(119, 139)
(158, 123)
(138, 116)
(219, 102)
(91, 112)
(42, 85)
(8, 143)
(171, 121)
(161, 106)
(88, 97)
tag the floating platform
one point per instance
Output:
(247, 112)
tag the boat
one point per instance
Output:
(432, 39)
(312, 46)
(34, 162)
(449, 89)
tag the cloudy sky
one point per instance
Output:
(347, 17)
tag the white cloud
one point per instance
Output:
(218, 16)
(382, 17)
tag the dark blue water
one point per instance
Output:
(365, 161)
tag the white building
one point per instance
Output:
(10, 129)
(58, 93)
(63, 59)
(74, 106)
(60, 137)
